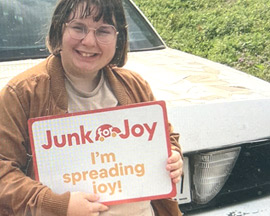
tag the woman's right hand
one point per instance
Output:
(82, 204)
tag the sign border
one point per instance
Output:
(162, 104)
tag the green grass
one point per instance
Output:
(232, 32)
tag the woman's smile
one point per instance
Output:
(87, 54)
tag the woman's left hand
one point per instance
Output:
(175, 166)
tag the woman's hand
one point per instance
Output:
(81, 204)
(175, 166)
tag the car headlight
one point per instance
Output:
(211, 170)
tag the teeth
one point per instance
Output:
(87, 54)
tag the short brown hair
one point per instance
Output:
(111, 11)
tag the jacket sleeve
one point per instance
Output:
(19, 194)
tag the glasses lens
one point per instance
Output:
(105, 33)
(77, 30)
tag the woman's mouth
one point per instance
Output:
(85, 54)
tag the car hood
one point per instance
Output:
(211, 105)
(180, 78)
(10, 69)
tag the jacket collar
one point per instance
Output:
(57, 82)
(118, 86)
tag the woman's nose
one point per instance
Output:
(90, 39)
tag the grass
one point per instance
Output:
(232, 32)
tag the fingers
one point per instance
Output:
(91, 197)
(176, 175)
(81, 204)
(96, 207)
(174, 166)
(174, 157)
(174, 161)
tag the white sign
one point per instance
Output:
(119, 153)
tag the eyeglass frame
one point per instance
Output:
(89, 29)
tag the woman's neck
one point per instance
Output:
(87, 83)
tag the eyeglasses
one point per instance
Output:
(104, 34)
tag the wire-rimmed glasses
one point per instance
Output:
(104, 33)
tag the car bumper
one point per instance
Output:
(258, 207)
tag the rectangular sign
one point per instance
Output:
(119, 153)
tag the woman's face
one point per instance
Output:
(85, 57)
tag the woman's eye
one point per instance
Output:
(78, 28)
(103, 31)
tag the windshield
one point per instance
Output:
(24, 25)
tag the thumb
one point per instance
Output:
(92, 197)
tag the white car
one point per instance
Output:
(222, 114)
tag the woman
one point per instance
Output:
(88, 42)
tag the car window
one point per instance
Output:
(141, 35)
(24, 25)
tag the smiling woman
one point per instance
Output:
(83, 58)
(88, 44)
(82, 52)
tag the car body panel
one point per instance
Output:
(10, 69)
(219, 125)
(256, 207)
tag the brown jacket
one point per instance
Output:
(40, 91)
